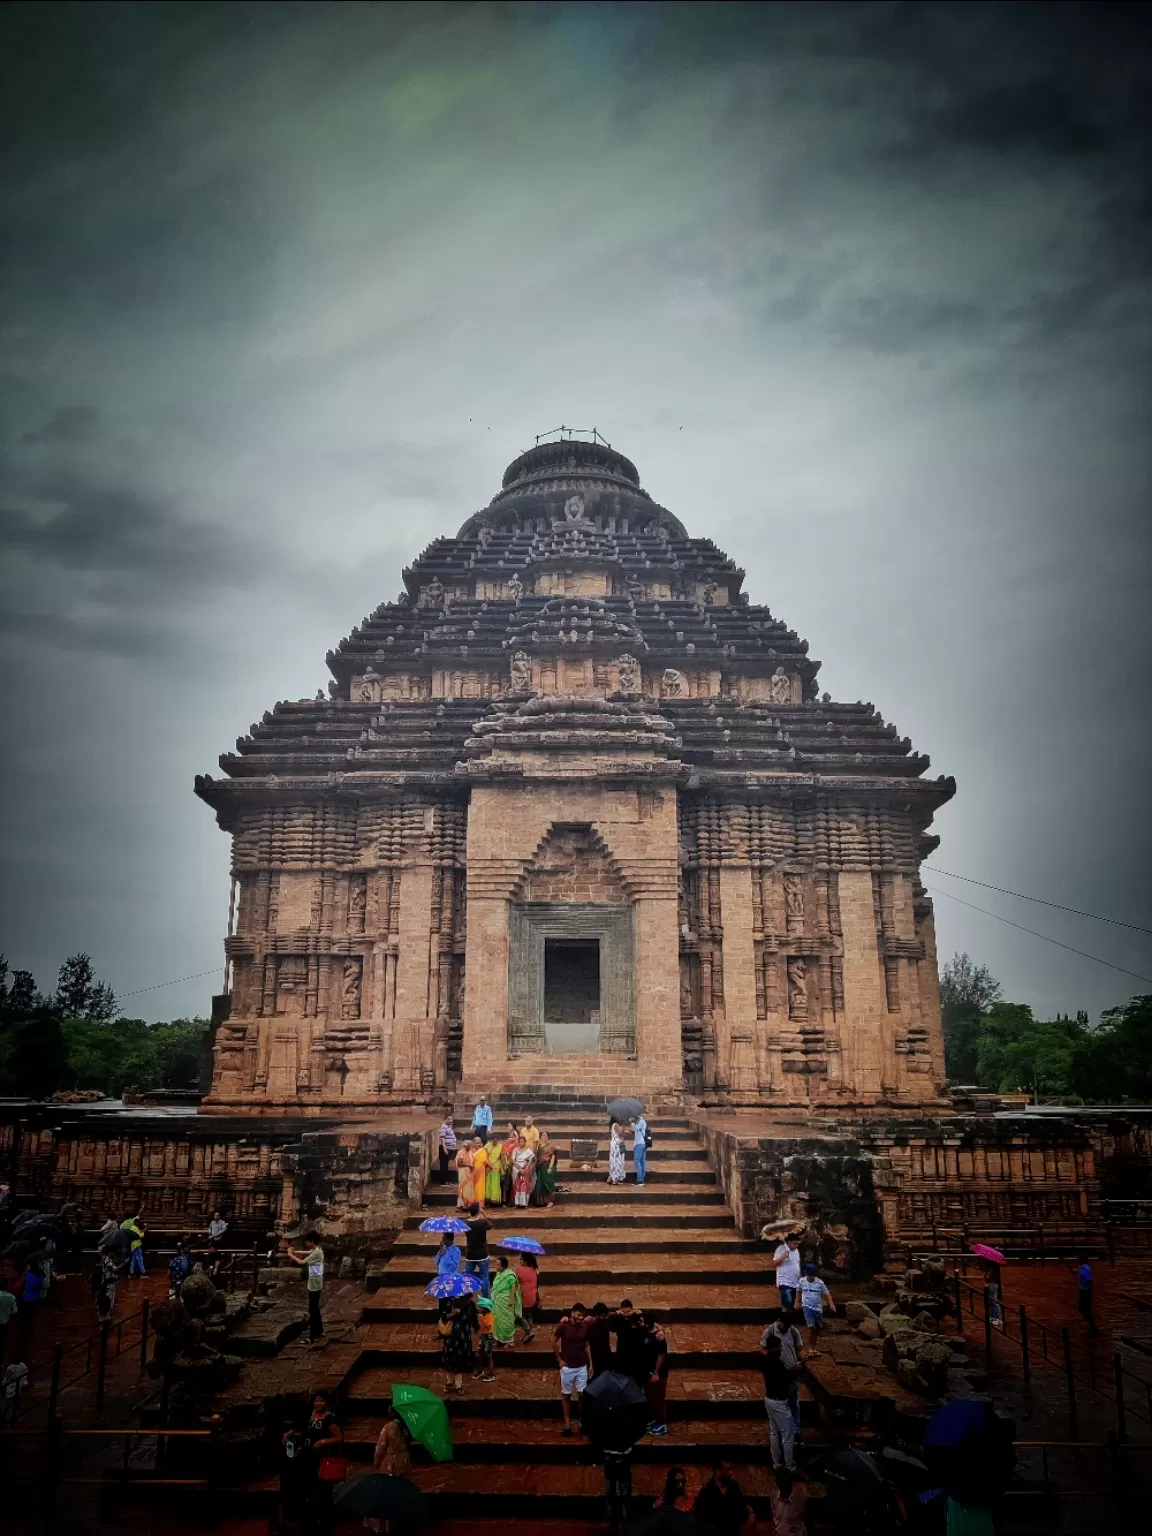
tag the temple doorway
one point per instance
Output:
(572, 994)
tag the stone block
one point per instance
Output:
(279, 1276)
(858, 1312)
(894, 1322)
(925, 1322)
(267, 1333)
(869, 1328)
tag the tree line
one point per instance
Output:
(999, 1045)
(75, 1038)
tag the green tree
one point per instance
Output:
(1114, 1062)
(78, 993)
(967, 990)
(33, 1058)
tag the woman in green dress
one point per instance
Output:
(495, 1174)
(547, 1156)
(507, 1307)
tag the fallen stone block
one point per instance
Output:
(868, 1328)
(893, 1322)
(267, 1333)
(279, 1275)
(858, 1312)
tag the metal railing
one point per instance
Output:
(1040, 1343)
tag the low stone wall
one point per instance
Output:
(821, 1183)
(354, 1187)
(871, 1190)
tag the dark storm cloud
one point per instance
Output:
(863, 289)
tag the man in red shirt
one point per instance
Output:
(570, 1339)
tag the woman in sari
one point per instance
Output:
(507, 1305)
(547, 1156)
(616, 1165)
(479, 1172)
(511, 1142)
(523, 1173)
(463, 1177)
(494, 1177)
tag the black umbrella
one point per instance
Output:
(625, 1109)
(613, 1412)
(970, 1451)
(668, 1522)
(116, 1240)
(855, 1485)
(379, 1497)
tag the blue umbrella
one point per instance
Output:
(444, 1224)
(453, 1285)
(522, 1245)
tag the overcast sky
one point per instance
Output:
(862, 290)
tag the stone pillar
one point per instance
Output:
(865, 1033)
(413, 979)
(738, 1045)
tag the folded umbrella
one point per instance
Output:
(984, 1252)
(453, 1285)
(444, 1224)
(624, 1109)
(522, 1245)
(613, 1412)
(425, 1416)
(379, 1497)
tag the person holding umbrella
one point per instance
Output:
(990, 1262)
(640, 1147)
(528, 1274)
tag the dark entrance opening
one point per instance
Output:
(571, 981)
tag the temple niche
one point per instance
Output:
(574, 812)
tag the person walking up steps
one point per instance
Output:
(640, 1147)
(777, 1386)
(476, 1258)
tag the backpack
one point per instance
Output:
(647, 1140)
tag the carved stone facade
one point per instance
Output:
(574, 742)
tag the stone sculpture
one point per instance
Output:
(672, 683)
(521, 672)
(781, 687)
(629, 672)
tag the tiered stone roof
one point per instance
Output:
(571, 559)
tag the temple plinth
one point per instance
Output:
(574, 813)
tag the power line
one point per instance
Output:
(157, 984)
(1083, 952)
(936, 870)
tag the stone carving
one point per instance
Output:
(797, 988)
(357, 903)
(516, 587)
(350, 987)
(633, 586)
(485, 536)
(629, 674)
(433, 594)
(672, 683)
(780, 687)
(365, 692)
(709, 592)
(574, 509)
(521, 678)
(794, 899)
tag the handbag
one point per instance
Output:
(332, 1469)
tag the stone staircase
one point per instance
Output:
(671, 1247)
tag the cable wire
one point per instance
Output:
(1071, 948)
(936, 870)
(157, 984)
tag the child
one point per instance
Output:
(484, 1363)
(814, 1296)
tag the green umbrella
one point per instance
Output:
(426, 1418)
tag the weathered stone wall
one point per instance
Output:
(354, 1185)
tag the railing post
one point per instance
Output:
(54, 1389)
(1070, 1379)
(1024, 1360)
(1111, 1243)
(987, 1324)
(102, 1366)
(959, 1301)
(1040, 1230)
(144, 1337)
(1121, 1420)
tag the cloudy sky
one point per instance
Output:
(863, 290)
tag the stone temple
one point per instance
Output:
(575, 813)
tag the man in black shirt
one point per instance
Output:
(476, 1246)
(631, 1354)
(778, 1383)
(721, 1502)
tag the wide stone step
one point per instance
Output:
(597, 1267)
(574, 1215)
(495, 1442)
(685, 1239)
(601, 1192)
(531, 1393)
(748, 1303)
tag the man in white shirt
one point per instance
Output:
(217, 1227)
(786, 1263)
(313, 1259)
